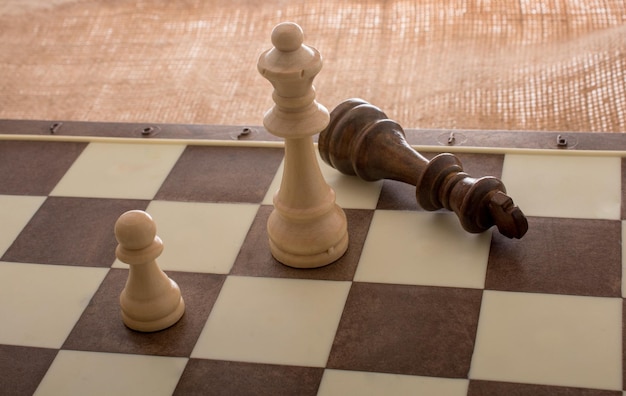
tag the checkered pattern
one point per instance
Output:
(416, 306)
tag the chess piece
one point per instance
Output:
(150, 301)
(361, 140)
(306, 229)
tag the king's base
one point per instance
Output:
(308, 244)
(162, 323)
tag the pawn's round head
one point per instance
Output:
(287, 37)
(135, 229)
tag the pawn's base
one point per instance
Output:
(161, 323)
(153, 314)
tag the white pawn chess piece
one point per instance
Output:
(150, 301)
(306, 229)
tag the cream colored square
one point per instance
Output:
(40, 304)
(97, 373)
(200, 237)
(277, 321)
(340, 383)
(423, 248)
(564, 185)
(549, 339)
(15, 212)
(119, 170)
(350, 191)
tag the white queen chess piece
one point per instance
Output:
(307, 229)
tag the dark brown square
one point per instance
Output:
(404, 329)
(34, 168)
(255, 258)
(101, 328)
(23, 368)
(492, 388)
(560, 256)
(211, 377)
(396, 195)
(71, 231)
(221, 174)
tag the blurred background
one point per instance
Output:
(540, 65)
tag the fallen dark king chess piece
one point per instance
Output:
(361, 140)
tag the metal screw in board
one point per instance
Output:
(55, 127)
(245, 133)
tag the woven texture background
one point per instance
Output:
(557, 65)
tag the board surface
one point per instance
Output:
(416, 306)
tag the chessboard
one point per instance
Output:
(416, 306)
